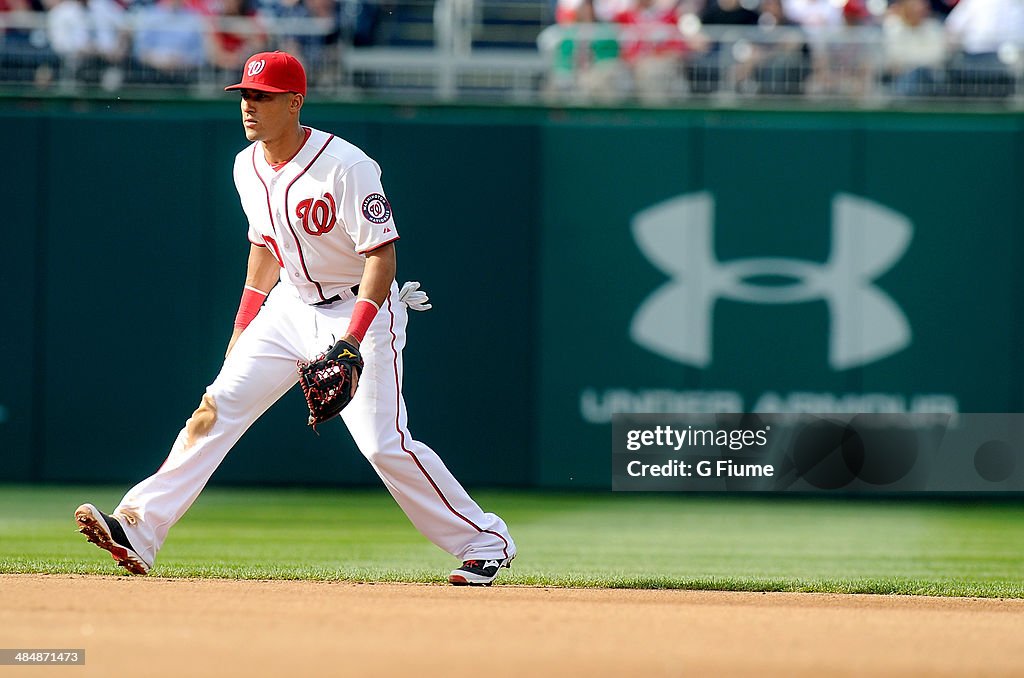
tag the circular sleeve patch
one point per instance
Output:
(376, 208)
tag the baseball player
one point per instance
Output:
(321, 268)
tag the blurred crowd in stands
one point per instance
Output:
(661, 50)
(169, 41)
(598, 50)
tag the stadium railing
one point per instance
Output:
(509, 51)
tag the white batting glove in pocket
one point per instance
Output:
(412, 296)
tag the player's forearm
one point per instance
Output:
(374, 288)
(263, 271)
(261, 274)
(379, 273)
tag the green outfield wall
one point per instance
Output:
(580, 263)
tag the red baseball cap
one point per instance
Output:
(272, 72)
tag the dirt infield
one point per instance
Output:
(163, 627)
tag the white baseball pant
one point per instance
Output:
(259, 370)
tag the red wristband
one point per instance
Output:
(252, 300)
(362, 315)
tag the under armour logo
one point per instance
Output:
(676, 321)
(256, 67)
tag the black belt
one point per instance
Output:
(337, 297)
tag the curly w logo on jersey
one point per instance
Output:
(317, 216)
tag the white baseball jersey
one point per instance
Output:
(319, 214)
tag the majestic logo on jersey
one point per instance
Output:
(376, 208)
(317, 216)
(676, 321)
(256, 67)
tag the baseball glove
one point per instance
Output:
(329, 381)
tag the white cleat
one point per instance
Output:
(107, 533)
(478, 572)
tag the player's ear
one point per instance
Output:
(296, 102)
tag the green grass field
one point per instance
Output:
(596, 540)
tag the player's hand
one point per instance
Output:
(355, 383)
(355, 375)
(412, 296)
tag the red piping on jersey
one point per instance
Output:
(270, 211)
(288, 220)
(405, 449)
(278, 166)
(377, 247)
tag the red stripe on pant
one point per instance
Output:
(405, 449)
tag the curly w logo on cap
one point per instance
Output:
(273, 72)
